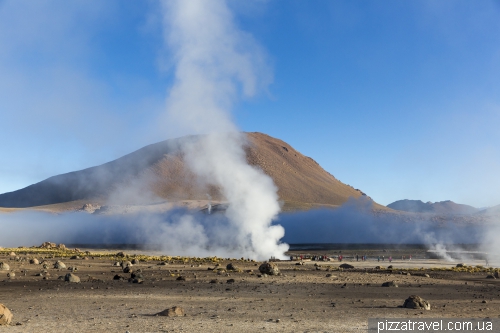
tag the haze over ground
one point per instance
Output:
(397, 99)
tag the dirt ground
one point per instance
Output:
(302, 299)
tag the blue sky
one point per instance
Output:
(399, 99)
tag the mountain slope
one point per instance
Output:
(444, 207)
(158, 171)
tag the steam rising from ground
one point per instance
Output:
(176, 233)
(180, 232)
(215, 64)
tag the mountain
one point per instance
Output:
(158, 171)
(443, 208)
(495, 210)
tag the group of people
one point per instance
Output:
(340, 257)
(363, 258)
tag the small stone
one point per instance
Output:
(59, 265)
(390, 284)
(416, 302)
(231, 267)
(269, 268)
(70, 277)
(175, 311)
(5, 315)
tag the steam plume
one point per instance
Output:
(215, 64)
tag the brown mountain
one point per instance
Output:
(158, 172)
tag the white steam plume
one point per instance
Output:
(215, 64)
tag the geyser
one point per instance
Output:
(215, 65)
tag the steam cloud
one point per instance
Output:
(215, 64)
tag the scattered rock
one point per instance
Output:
(427, 275)
(135, 261)
(11, 275)
(5, 315)
(12, 254)
(460, 265)
(389, 284)
(59, 265)
(230, 281)
(126, 264)
(121, 254)
(490, 276)
(127, 269)
(346, 266)
(75, 258)
(90, 208)
(34, 261)
(496, 274)
(48, 245)
(175, 311)
(416, 302)
(269, 268)
(70, 277)
(118, 277)
(117, 264)
(390, 267)
(378, 267)
(137, 275)
(4, 266)
(231, 267)
(181, 278)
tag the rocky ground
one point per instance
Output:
(309, 297)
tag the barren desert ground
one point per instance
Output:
(315, 296)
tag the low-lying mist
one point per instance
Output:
(354, 222)
(195, 233)
(178, 232)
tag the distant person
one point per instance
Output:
(390, 258)
(410, 257)
(357, 257)
(383, 258)
(378, 258)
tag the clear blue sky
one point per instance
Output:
(398, 98)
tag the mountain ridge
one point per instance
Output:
(446, 207)
(159, 171)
